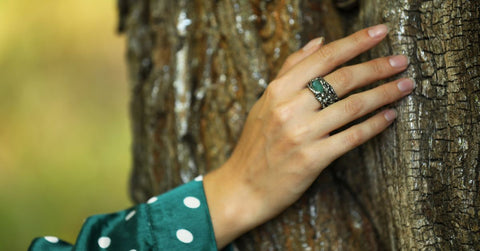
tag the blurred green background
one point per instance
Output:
(64, 129)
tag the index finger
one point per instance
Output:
(329, 56)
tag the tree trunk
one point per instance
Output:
(197, 67)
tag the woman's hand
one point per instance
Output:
(286, 140)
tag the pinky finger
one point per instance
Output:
(342, 142)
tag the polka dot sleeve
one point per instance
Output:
(176, 220)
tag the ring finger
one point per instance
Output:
(349, 78)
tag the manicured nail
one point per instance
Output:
(390, 114)
(313, 43)
(406, 85)
(398, 61)
(377, 31)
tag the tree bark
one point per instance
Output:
(197, 67)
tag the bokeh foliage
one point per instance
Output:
(64, 132)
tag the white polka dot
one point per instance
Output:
(152, 200)
(130, 215)
(133, 250)
(184, 236)
(104, 242)
(199, 178)
(191, 202)
(51, 239)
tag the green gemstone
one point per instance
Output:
(317, 86)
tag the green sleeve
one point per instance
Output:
(176, 220)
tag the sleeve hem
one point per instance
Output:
(180, 219)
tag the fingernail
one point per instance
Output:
(398, 61)
(390, 114)
(313, 43)
(406, 85)
(377, 31)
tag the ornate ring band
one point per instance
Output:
(323, 91)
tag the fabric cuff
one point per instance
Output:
(180, 219)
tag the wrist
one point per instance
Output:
(234, 207)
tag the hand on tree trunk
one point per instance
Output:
(287, 141)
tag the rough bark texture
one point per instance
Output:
(197, 67)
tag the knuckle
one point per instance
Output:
(278, 116)
(378, 67)
(354, 138)
(387, 94)
(273, 90)
(342, 76)
(357, 38)
(292, 139)
(304, 158)
(301, 132)
(353, 104)
(281, 114)
(297, 135)
(273, 85)
(376, 125)
(326, 53)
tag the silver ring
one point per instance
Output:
(323, 91)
